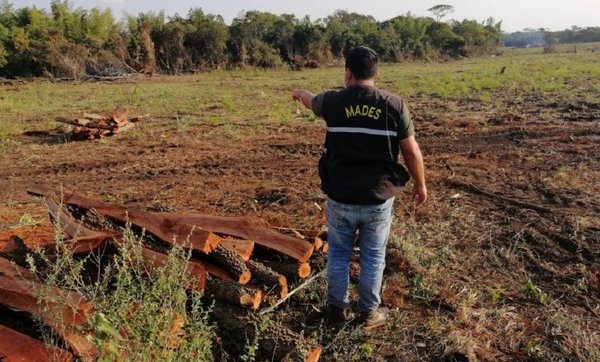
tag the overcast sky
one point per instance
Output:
(515, 14)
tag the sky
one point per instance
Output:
(516, 15)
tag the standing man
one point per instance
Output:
(367, 128)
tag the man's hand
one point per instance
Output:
(305, 97)
(419, 195)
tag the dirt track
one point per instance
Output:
(471, 241)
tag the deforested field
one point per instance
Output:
(501, 265)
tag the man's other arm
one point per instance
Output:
(414, 161)
(305, 97)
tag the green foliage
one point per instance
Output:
(533, 292)
(65, 41)
(139, 314)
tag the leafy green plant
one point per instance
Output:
(533, 292)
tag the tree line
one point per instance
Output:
(538, 37)
(64, 41)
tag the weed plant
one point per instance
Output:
(139, 314)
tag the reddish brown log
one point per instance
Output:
(217, 272)
(195, 271)
(314, 355)
(232, 262)
(169, 230)
(13, 270)
(243, 247)
(79, 345)
(83, 240)
(23, 295)
(15, 346)
(292, 271)
(233, 293)
(266, 276)
(249, 229)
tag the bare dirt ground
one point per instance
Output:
(472, 276)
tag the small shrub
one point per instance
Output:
(140, 315)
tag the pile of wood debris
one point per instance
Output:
(94, 126)
(238, 262)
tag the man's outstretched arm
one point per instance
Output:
(414, 161)
(305, 97)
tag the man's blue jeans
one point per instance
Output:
(373, 224)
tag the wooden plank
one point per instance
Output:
(249, 229)
(167, 230)
(17, 347)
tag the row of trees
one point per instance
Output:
(538, 37)
(68, 42)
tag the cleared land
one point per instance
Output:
(502, 264)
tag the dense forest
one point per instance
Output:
(64, 41)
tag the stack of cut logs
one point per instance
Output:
(93, 126)
(225, 264)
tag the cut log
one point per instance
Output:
(15, 346)
(318, 243)
(13, 270)
(217, 272)
(249, 229)
(165, 229)
(233, 293)
(266, 276)
(79, 345)
(232, 262)
(194, 271)
(23, 295)
(292, 271)
(243, 247)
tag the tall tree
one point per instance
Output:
(440, 11)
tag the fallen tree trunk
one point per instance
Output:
(167, 230)
(233, 293)
(17, 347)
(266, 276)
(249, 229)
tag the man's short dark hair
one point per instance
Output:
(362, 62)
